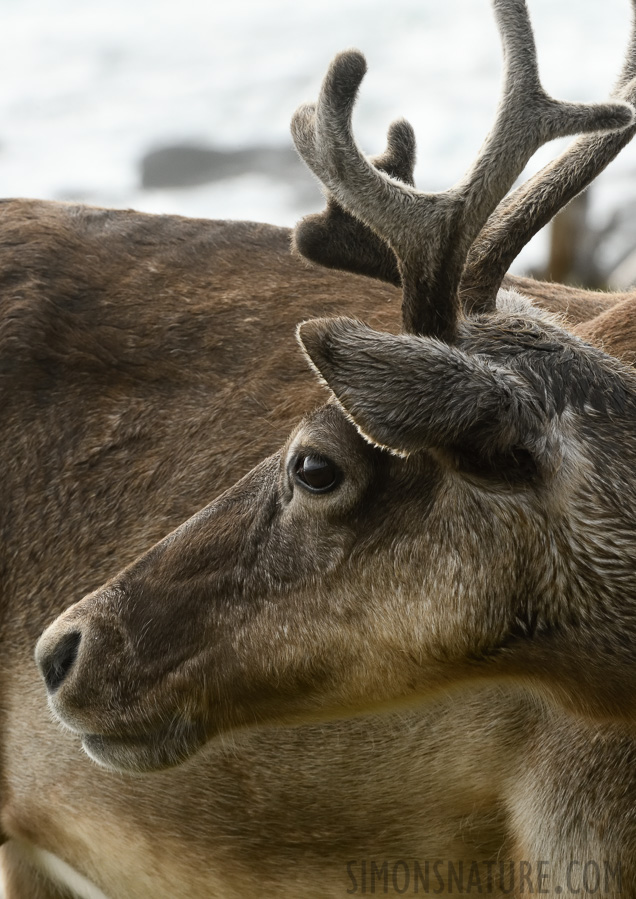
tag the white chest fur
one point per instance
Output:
(65, 876)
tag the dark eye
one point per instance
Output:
(316, 473)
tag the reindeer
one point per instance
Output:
(446, 541)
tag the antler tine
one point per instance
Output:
(336, 239)
(533, 204)
(431, 233)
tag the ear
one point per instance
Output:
(410, 393)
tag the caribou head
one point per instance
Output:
(462, 509)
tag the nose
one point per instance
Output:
(55, 660)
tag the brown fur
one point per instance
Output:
(111, 439)
(613, 329)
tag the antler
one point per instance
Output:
(532, 205)
(431, 233)
(336, 239)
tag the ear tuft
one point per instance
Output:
(323, 341)
(310, 335)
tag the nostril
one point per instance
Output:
(56, 665)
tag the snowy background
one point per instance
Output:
(88, 89)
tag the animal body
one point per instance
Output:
(404, 640)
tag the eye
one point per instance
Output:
(316, 473)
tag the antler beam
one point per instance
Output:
(532, 205)
(336, 239)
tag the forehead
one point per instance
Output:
(574, 373)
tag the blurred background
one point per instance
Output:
(183, 107)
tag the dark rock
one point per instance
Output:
(188, 165)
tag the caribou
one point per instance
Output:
(401, 643)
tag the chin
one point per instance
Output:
(134, 755)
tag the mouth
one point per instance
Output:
(153, 752)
